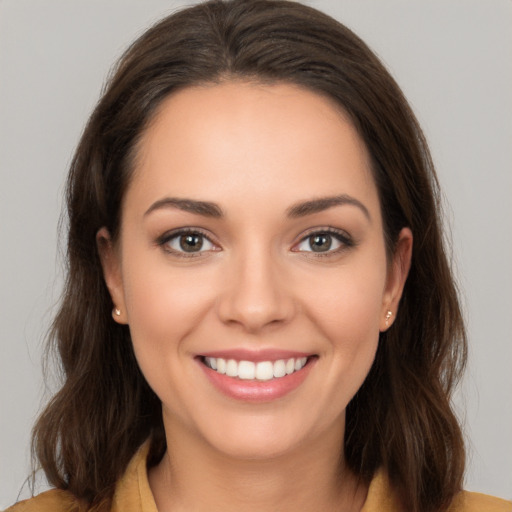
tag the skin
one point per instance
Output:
(256, 151)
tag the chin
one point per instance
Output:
(255, 446)
(259, 435)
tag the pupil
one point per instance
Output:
(191, 242)
(320, 243)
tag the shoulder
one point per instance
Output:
(132, 493)
(476, 502)
(49, 501)
(382, 497)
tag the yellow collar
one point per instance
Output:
(133, 493)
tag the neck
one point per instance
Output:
(194, 476)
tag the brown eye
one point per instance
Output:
(324, 242)
(320, 242)
(186, 242)
(191, 242)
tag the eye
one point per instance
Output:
(187, 242)
(325, 241)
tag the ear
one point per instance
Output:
(397, 275)
(111, 264)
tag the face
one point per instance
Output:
(251, 266)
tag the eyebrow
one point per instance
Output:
(204, 208)
(324, 203)
(301, 209)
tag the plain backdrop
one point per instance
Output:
(453, 60)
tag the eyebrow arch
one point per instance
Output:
(204, 208)
(323, 203)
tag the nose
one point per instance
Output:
(256, 294)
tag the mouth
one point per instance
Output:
(256, 377)
(259, 371)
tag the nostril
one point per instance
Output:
(254, 314)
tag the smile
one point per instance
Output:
(260, 371)
(262, 376)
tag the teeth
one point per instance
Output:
(264, 370)
(221, 365)
(232, 368)
(279, 369)
(246, 370)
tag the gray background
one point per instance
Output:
(453, 60)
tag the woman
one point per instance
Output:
(259, 313)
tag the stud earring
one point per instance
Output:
(389, 314)
(117, 312)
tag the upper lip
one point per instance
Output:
(241, 354)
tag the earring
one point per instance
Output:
(389, 314)
(117, 312)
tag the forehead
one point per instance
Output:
(248, 141)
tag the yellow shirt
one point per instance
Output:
(133, 494)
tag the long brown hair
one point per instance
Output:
(401, 417)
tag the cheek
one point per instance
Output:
(163, 304)
(348, 313)
(351, 303)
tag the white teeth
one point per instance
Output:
(211, 362)
(248, 370)
(279, 368)
(232, 368)
(221, 365)
(299, 363)
(264, 370)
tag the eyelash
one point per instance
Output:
(164, 240)
(341, 236)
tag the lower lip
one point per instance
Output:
(254, 390)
